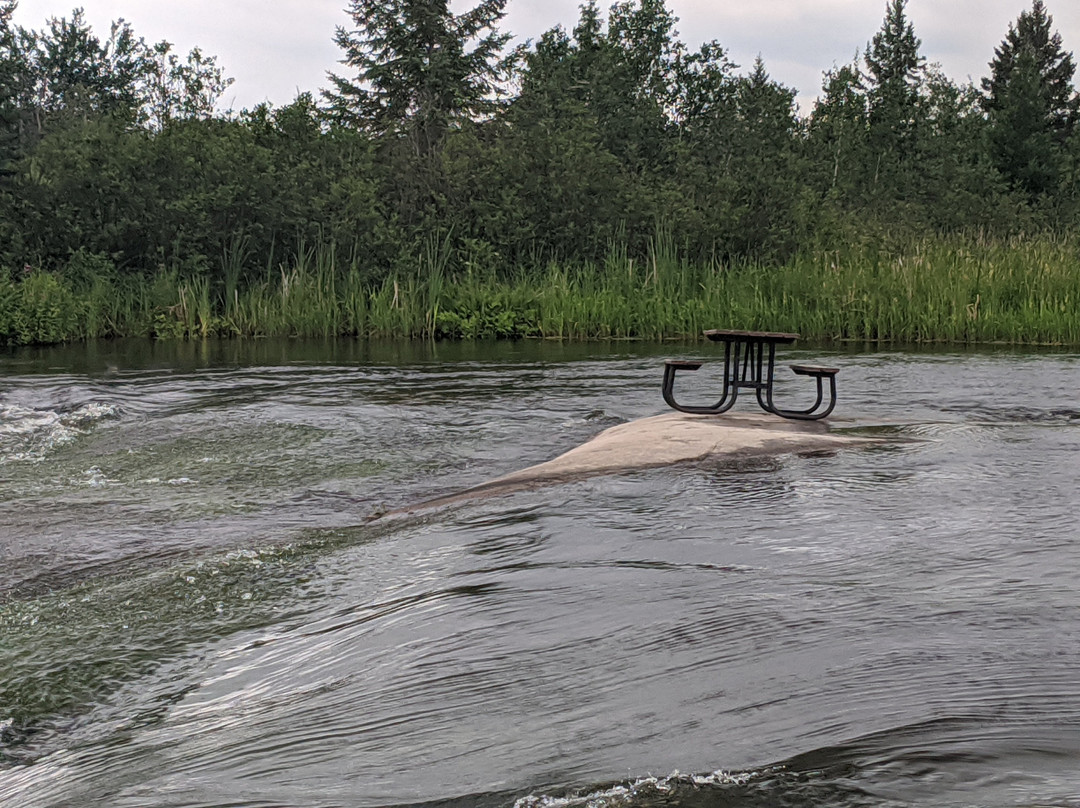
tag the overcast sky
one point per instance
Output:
(277, 48)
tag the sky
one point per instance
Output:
(275, 49)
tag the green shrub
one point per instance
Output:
(9, 294)
(45, 311)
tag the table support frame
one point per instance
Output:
(749, 364)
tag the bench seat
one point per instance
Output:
(682, 364)
(814, 370)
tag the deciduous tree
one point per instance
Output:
(12, 73)
(77, 75)
(172, 88)
(838, 130)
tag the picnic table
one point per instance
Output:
(749, 364)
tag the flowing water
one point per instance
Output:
(199, 605)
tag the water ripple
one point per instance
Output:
(197, 608)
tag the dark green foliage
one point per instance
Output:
(423, 74)
(1031, 104)
(953, 179)
(420, 68)
(894, 68)
(70, 73)
(839, 131)
(14, 78)
(611, 194)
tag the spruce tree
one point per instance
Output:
(415, 71)
(1030, 102)
(894, 69)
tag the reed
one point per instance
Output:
(234, 257)
(958, 289)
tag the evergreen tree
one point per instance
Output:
(416, 74)
(894, 69)
(766, 108)
(768, 170)
(1030, 102)
(622, 76)
(11, 73)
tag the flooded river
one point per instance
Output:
(199, 607)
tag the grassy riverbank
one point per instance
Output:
(944, 290)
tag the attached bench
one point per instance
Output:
(749, 358)
(670, 367)
(682, 364)
(818, 373)
(812, 370)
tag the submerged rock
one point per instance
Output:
(663, 440)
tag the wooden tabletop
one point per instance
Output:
(725, 335)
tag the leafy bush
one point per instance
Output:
(45, 311)
(8, 300)
(85, 268)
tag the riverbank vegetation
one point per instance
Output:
(956, 289)
(607, 181)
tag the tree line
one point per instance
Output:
(441, 146)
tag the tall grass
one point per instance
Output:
(959, 290)
(947, 289)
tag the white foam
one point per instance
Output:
(647, 786)
(30, 434)
(96, 478)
